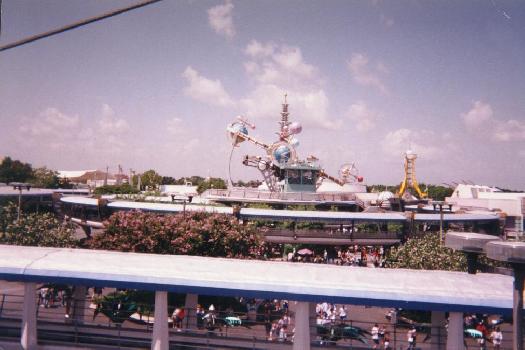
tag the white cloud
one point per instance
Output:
(50, 122)
(510, 130)
(522, 153)
(56, 131)
(279, 69)
(397, 142)
(206, 90)
(109, 124)
(257, 49)
(364, 74)
(364, 118)
(478, 116)
(480, 120)
(175, 126)
(221, 20)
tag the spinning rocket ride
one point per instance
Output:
(280, 167)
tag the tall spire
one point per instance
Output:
(284, 116)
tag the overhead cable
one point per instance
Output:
(75, 25)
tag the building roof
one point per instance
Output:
(413, 289)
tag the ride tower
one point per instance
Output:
(410, 182)
(281, 168)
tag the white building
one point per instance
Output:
(476, 197)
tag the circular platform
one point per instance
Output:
(512, 252)
(469, 241)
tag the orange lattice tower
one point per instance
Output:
(410, 181)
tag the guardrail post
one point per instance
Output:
(28, 338)
(160, 340)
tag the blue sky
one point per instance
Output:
(156, 87)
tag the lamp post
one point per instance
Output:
(440, 204)
(19, 186)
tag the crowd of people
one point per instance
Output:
(486, 332)
(349, 256)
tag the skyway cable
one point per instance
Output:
(76, 25)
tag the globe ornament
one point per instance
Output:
(282, 153)
(294, 128)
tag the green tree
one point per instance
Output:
(168, 180)
(148, 180)
(116, 189)
(436, 192)
(45, 178)
(213, 182)
(425, 253)
(42, 230)
(15, 171)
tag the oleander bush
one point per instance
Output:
(190, 233)
(34, 229)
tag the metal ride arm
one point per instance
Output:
(329, 177)
(252, 140)
(266, 168)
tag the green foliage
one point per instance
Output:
(426, 253)
(437, 193)
(115, 189)
(15, 171)
(213, 182)
(45, 178)
(149, 180)
(192, 233)
(168, 180)
(117, 306)
(42, 230)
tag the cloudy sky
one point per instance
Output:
(156, 87)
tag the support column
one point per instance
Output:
(455, 339)
(79, 304)
(161, 338)
(313, 318)
(301, 340)
(438, 332)
(190, 307)
(517, 310)
(28, 338)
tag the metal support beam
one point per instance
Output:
(161, 339)
(28, 338)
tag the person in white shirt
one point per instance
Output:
(497, 338)
(375, 336)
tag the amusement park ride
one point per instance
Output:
(410, 182)
(281, 168)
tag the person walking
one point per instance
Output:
(411, 338)
(375, 336)
(497, 338)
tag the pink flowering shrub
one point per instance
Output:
(195, 233)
